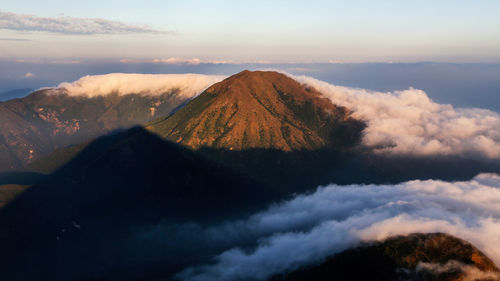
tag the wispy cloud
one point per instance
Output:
(172, 60)
(178, 61)
(193, 61)
(71, 25)
(29, 75)
(14, 39)
(45, 61)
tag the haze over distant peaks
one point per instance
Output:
(13, 94)
(260, 109)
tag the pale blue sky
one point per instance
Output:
(277, 31)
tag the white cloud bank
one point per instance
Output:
(308, 228)
(146, 84)
(409, 122)
(69, 25)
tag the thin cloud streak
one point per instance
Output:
(193, 61)
(15, 39)
(71, 25)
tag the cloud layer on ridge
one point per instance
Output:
(69, 25)
(408, 122)
(147, 84)
(308, 228)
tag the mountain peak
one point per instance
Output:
(266, 83)
(259, 109)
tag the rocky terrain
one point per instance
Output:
(419, 257)
(267, 110)
(36, 125)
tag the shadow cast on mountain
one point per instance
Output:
(86, 220)
(302, 171)
(24, 178)
(91, 218)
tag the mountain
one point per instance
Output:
(418, 257)
(48, 119)
(261, 109)
(9, 191)
(13, 94)
(285, 135)
(91, 218)
(288, 135)
(263, 124)
(145, 203)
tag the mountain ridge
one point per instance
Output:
(417, 256)
(45, 120)
(260, 109)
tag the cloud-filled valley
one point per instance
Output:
(408, 122)
(308, 228)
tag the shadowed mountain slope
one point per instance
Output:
(260, 109)
(36, 125)
(86, 219)
(418, 257)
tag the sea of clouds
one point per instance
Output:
(404, 122)
(189, 85)
(408, 122)
(308, 228)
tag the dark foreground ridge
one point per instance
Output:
(418, 257)
(86, 219)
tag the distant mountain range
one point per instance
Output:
(14, 94)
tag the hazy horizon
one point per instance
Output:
(256, 31)
(449, 49)
(462, 85)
